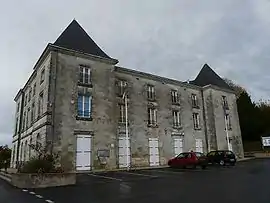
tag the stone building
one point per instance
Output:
(75, 101)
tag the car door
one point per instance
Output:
(180, 159)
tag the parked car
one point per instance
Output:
(189, 159)
(221, 157)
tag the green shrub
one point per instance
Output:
(44, 162)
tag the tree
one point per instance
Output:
(5, 155)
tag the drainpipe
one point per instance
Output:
(204, 122)
(20, 129)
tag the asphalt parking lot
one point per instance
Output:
(247, 182)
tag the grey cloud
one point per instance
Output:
(173, 39)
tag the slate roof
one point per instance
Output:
(208, 77)
(74, 37)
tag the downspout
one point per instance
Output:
(54, 99)
(20, 129)
(204, 122)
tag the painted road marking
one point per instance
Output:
(39, 196)
(139, 174)
(25, 190)
(49, 201)
(32, 193)
(100, 176)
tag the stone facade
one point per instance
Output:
(59, 123)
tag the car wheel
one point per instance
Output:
(203, 166)
(221, 163)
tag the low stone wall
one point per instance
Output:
(24, 180)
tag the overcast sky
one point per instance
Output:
(172, 38)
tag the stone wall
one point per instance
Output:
(22, 180)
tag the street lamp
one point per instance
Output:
(126, 120)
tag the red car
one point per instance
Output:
(188, 159)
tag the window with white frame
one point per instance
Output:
(151, 92)
(228, 121)
(85, 75)
(175, 97)
(25, 102)
(196, 120)
(25, 151)
(225, 102)
(194, 100)
(84, 106)
(176, 118)
(122, 117)
(152, 116)
(42, 76)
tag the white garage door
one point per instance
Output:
(124, 152)
(153, 152)
(83, 153)
(178, 145)
(199, 145)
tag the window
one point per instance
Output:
(33, 112)
(175, 97)
(27, 118)
(25, 102)
(152, 116)
(176, 119)
(18, 106)
(196, 120)
(23, 124)
(225, 102)
(228, 122)
(40, 105)
(42, 76)
(85, 75)
(84, 106)
(34, 89)
(30, 147)
(194, 101)
(151, 92)
(122, 118)
(25, 150)
(21, 155)
(122, 85)
(30, 94)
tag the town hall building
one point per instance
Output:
(95, 114)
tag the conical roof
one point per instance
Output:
(208, 77)
(74, 37)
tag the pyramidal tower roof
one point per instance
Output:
(208, 77)
(75, 38)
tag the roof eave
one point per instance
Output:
(18, 95)
(218, 88)
(106, 60)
